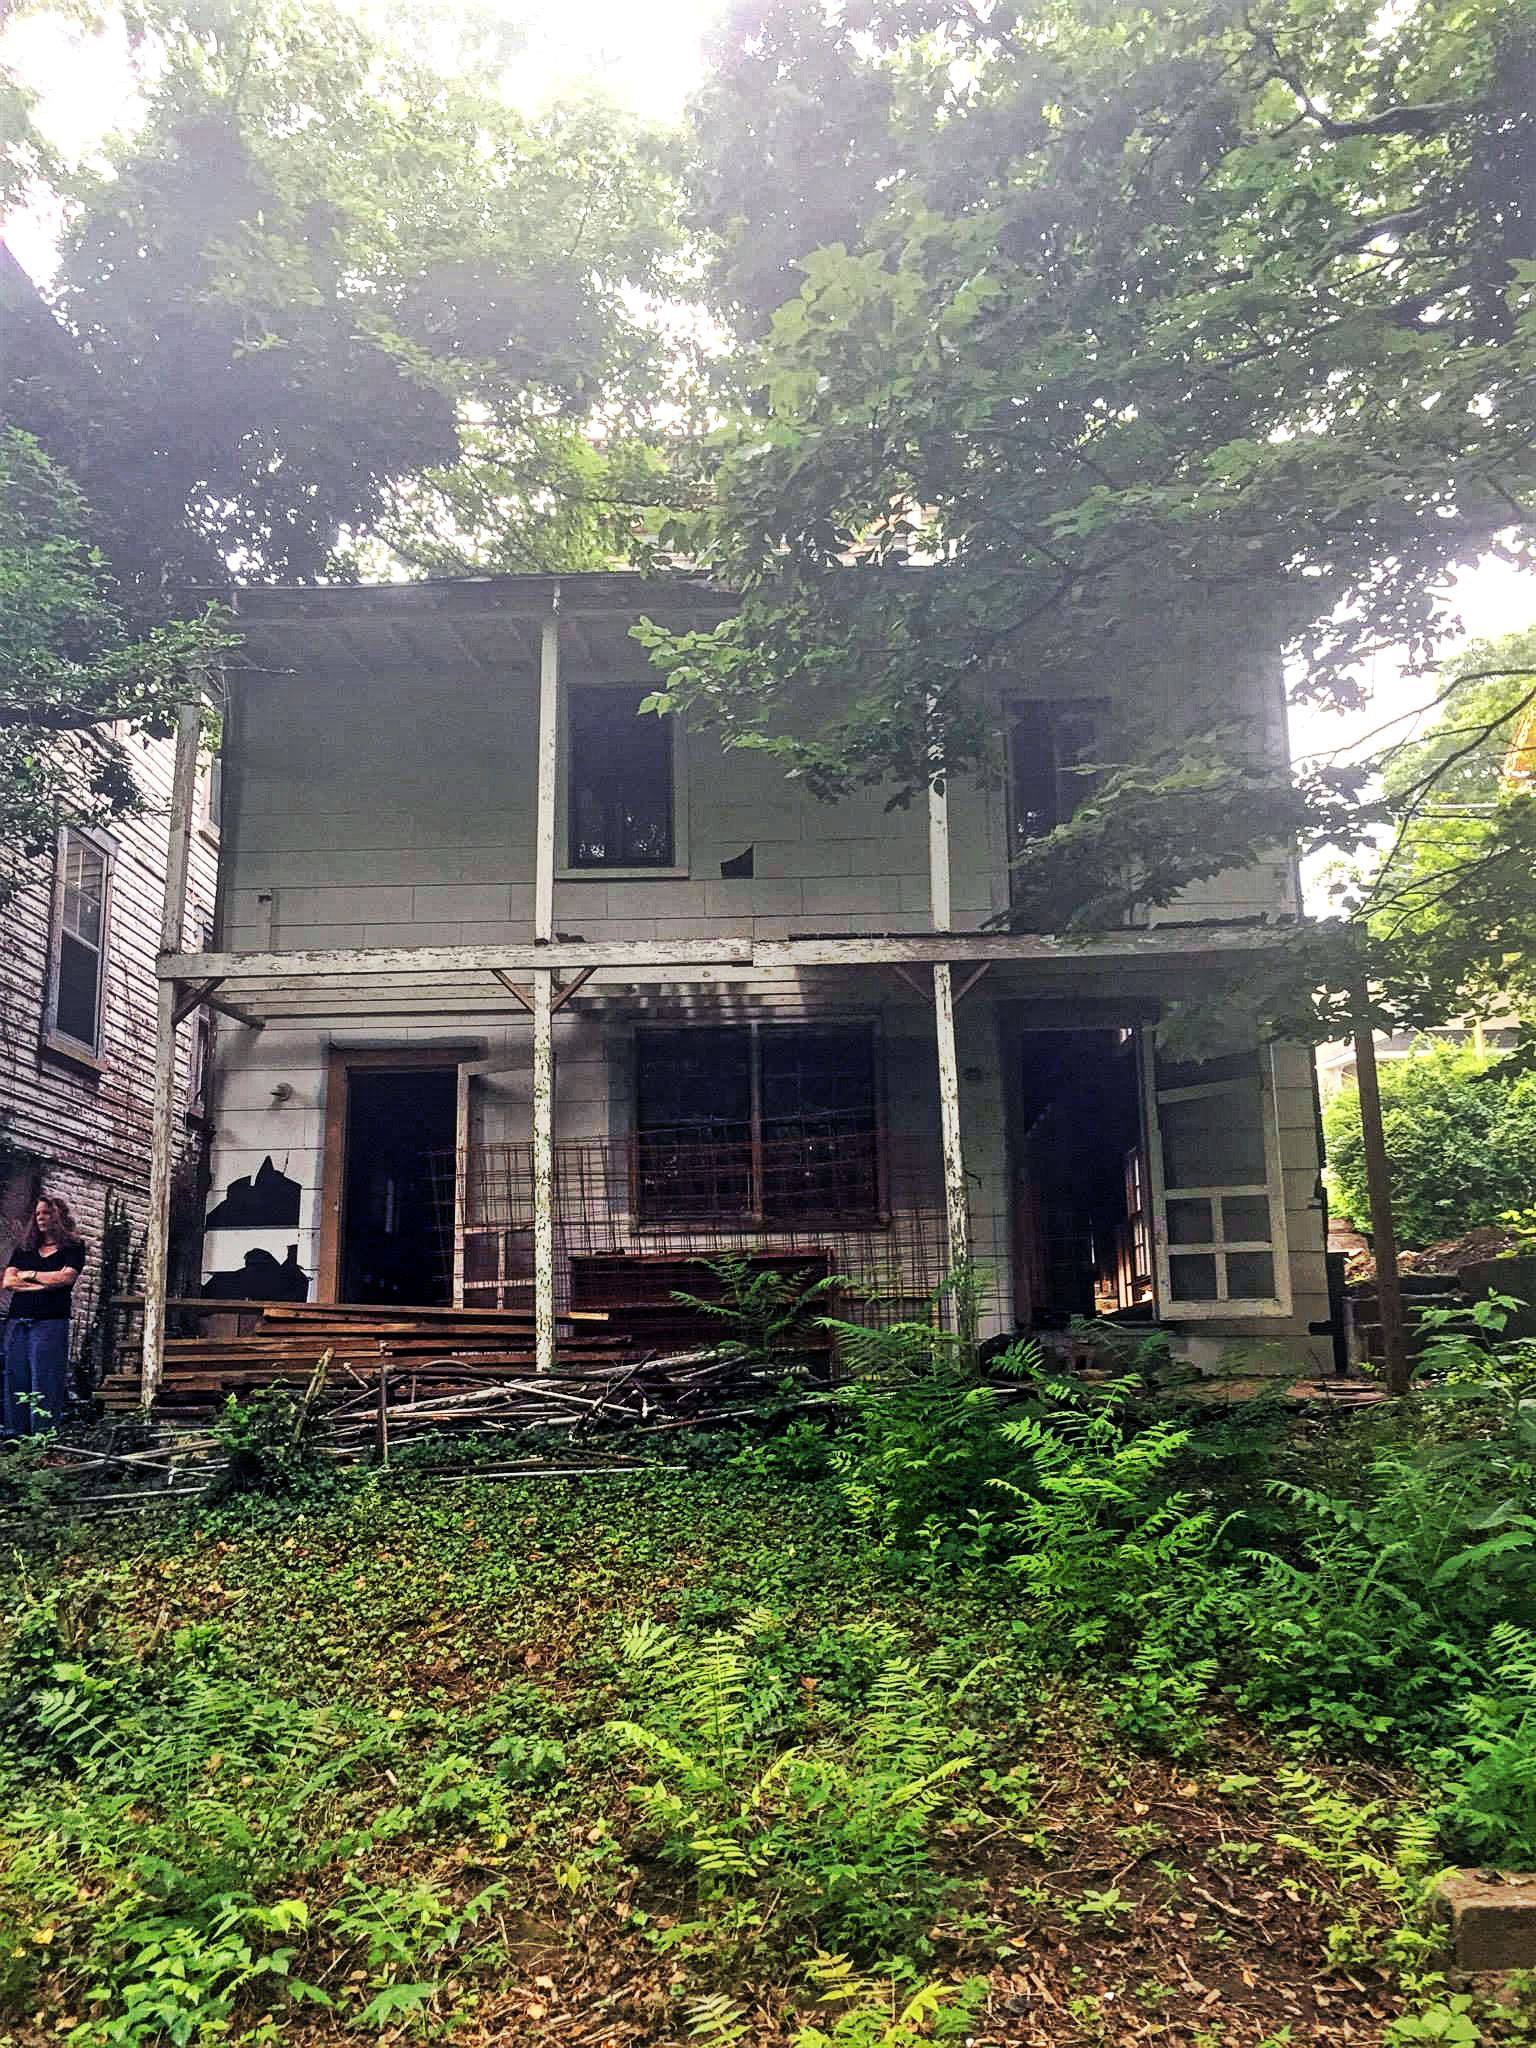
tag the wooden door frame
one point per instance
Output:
(340, 1062)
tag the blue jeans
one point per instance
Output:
(36, 1375)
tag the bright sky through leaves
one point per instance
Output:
(648, 56)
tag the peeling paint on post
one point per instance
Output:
(157, 1235)
(956, 1208)
(543, 1170)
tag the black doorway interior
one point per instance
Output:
(393, 1246)
(1081, 1228)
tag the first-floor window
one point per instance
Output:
(78, 958)
(774, 1121)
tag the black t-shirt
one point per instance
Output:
(47, 1304)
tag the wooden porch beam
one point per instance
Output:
(912, 980)
(523, 995)
(656, 958)
(191, 999)
(971, 980)
(567, 989)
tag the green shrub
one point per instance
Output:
(269, 1442)
(1461, 1138)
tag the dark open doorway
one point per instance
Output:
(392, 1246)
(1082, 1232)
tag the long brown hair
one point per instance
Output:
(63, 1226)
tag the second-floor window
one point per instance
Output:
(775, 1122)
(619, 793)
(1048, 743)
(77, 965)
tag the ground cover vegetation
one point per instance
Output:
(982, 1707)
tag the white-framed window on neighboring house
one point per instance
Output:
(622, 783)
(77, 960)
(208, 806)
(199, 1066)
(1134, 1262)
(1218, 1193)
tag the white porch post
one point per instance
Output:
(543, 998)
(956, 1212)
(157, 1237)
(543, 1169)
(549, 763)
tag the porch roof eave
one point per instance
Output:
(453, 980)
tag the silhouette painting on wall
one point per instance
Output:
(260, 1278)
(266, 1200)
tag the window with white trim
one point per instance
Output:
(77, 959)
(620, 781)
(1219, 1197)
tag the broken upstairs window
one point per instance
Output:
(619, 780)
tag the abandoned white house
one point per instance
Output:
(535, 998)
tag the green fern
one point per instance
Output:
(716, 2021)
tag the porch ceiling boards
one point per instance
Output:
(490, 625)
(425, 981)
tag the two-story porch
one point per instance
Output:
(528, 998)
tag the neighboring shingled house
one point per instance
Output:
(77, 1017)
(538, 998)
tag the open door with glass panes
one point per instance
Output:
(1217, 1192)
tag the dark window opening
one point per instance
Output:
(777, 1122)
(1048, 747)
(1082, 1223)
(393, 1249)
(619, 780)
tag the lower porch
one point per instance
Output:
(409, 1118)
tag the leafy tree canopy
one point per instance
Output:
(326, 293)
(76, 678)
(1452, 900)
(1460, 1132)
(1120, 323)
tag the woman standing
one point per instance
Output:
(41, 1273)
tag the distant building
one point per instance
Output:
(1336, 1060)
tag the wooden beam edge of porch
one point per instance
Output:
(658, 958)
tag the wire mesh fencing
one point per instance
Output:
(636, 1220)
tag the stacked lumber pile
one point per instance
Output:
(453, 1348)
(581, 1399)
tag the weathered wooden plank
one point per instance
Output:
(350, 962)
(356, 964)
